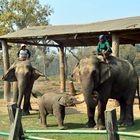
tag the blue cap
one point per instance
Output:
(101, 36)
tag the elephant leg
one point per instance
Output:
(60, 114)
(63, 116)
(15, 91)
(43, 118)
(42, 113)
(101, 116)
(90, 112)
(122, 112)
(27, 104)
(129, 120)
(129, 115)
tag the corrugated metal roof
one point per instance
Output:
(130, 23)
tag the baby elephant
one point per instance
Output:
(53, 103)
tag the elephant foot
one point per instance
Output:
(25, 113)
(61, 127)
(44, 125)
(100, 127)
(125, 124)
(90, 124)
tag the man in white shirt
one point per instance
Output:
(23, 53)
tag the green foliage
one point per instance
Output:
(18, 14)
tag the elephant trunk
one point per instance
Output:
(90, 96)
(21, 87)
(78, 102)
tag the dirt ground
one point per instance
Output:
(48, 86)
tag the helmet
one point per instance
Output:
(101, 37)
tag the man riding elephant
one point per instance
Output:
(118, 80)
(23, 53)
(103, 49)
(23, 75)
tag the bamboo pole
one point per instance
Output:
(6, 66)
(62, 69)
(115, 45)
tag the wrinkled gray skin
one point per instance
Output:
(117, 80)
(23, 75)
(53, 103)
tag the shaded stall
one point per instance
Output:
(119, 31)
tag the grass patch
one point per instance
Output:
(72, 121)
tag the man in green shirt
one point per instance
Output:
(103, 49)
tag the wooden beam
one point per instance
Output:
(32, 43)
(62, 69)
(115, 45)
(6, 66)
(132, 37)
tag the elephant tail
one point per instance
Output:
(138, 92)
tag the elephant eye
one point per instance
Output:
(71, 99)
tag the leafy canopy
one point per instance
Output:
(18, 14)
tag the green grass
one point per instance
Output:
(72, 121)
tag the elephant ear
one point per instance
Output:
(10, 75)
(62, 101)
(36, 74)
(105, 72)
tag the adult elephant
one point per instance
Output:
(23, 75)
(117, 80)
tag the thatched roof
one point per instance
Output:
(128, 30)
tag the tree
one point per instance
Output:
(18, 14)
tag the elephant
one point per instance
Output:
(117, 80)
(55, 103)
(23, 75)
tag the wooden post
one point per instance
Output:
(16, 130)
(115, 52)
(6, 66)
(115, 45)
(71, 88)
(62, 69)
(111, 124)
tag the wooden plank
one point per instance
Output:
(16, 131)
(111, 124)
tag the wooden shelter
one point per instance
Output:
(119, 31)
